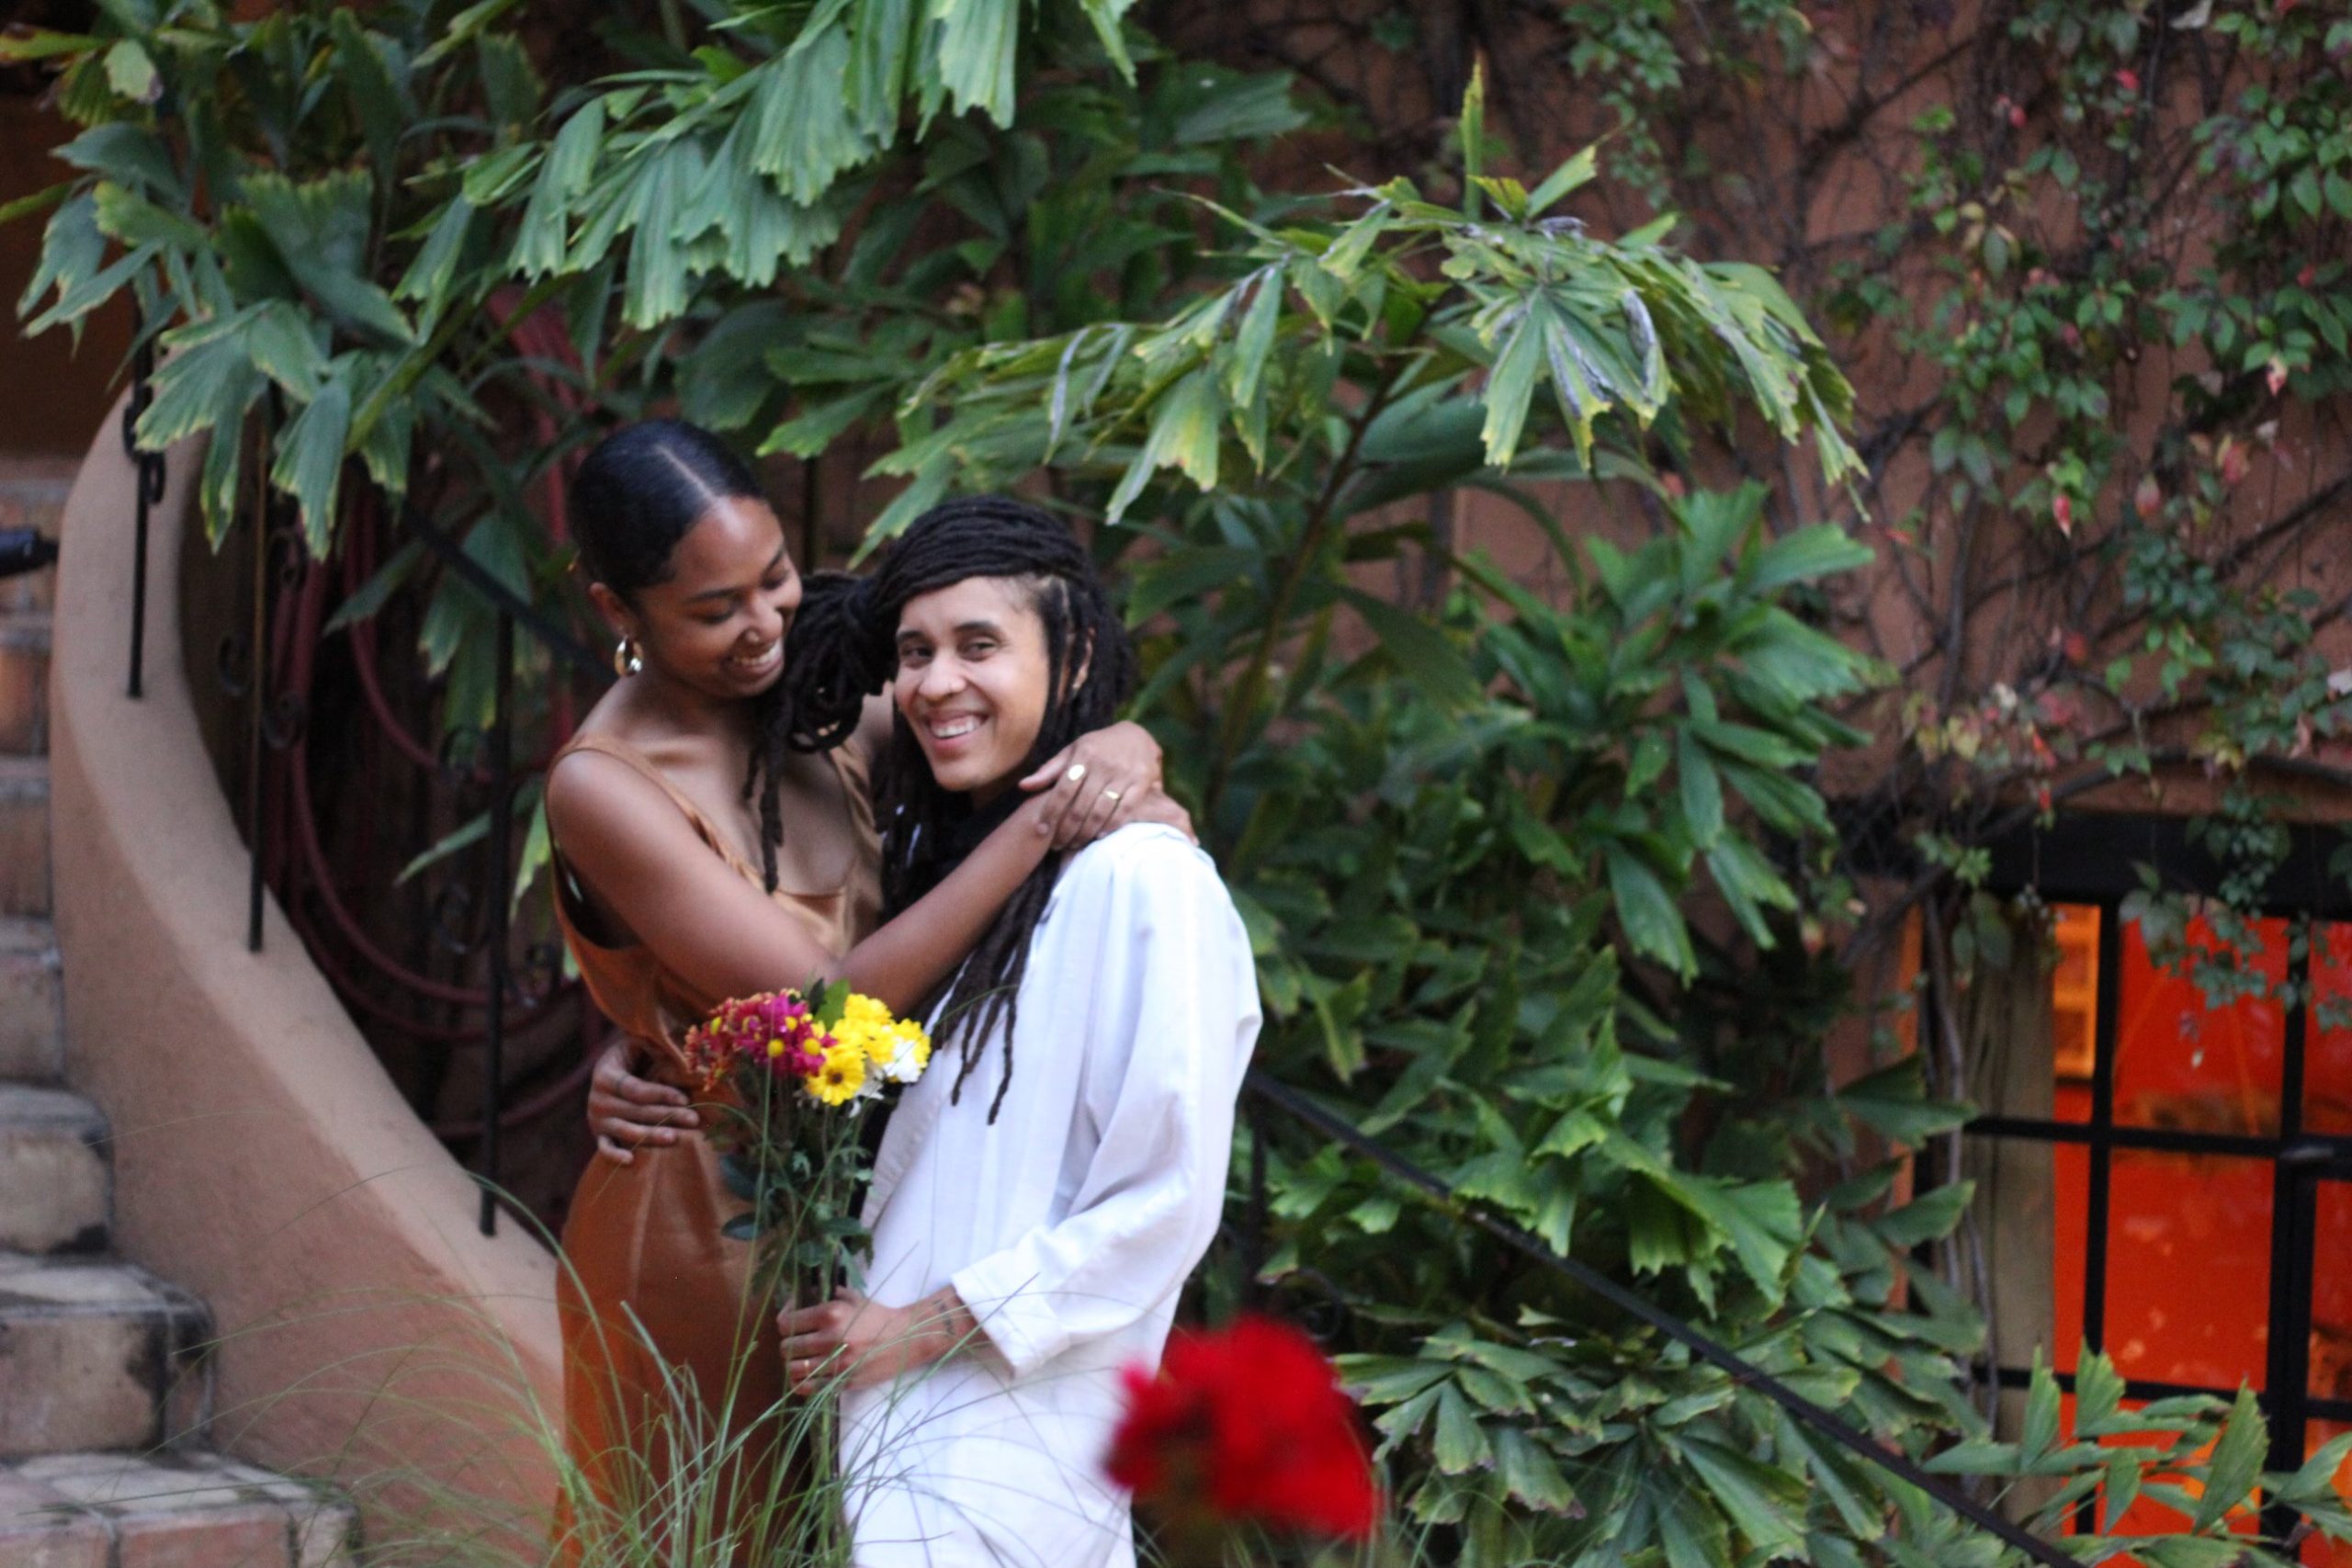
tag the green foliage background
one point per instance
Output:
(1503, 855)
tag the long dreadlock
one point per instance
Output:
(635, 495)
(846, 649)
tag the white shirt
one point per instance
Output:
(1068, 1227)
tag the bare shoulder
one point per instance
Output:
(583, 779)
(596, 801)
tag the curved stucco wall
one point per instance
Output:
(263, 1159)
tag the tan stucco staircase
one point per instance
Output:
(106, 1380)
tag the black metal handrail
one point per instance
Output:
(148, 467)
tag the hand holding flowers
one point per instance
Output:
(864, 1343)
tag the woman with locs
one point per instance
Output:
(1043, 1191)
(710, 841)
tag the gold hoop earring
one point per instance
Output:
(627, 659)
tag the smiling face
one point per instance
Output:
(716, 622)
(972, 681)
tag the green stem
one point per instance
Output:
(1319, 517)
(400, 383)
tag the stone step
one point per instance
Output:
(32, 1001)
(56, 1176)
(24, 683)
(24, 835)
(96, 1353)
(172, 1510)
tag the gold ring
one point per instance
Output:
(1112, 795)
(1076, 771)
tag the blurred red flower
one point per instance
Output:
(1247, 1425)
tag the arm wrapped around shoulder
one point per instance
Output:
(1169, 1013)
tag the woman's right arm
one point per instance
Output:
(636, 852)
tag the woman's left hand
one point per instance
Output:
(1102, 782)
(862, 1343)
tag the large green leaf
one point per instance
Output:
(1423, 653)
(1183, 435)
(1892, 1101)
(309, 459)
(1653, 923)
(542, 243)
(1764, 1504)
(1233, 108)
(205, 372)
(135, 221)
(969, 64)
(319, 231)
(803, 135)
(2235, 1464)
(1510, 388)
(1805, 556)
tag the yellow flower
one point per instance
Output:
(897, 1049)
(903, 1053)
(858, 1036)
(841, 1077)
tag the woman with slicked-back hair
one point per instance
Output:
(713, 837)
(1044, 1190)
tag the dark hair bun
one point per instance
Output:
(640, 488)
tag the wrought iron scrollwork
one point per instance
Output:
(426, 963)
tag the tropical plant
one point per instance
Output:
(1531, 791)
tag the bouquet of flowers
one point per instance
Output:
(798, 1071)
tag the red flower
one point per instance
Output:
(2128, 79)
(1247, 1425)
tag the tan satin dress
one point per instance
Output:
(665, 1350)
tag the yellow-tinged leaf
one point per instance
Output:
(1577, 171)
(1473, 137)
(1185, 424)
(42, 44)
(310, 461)
(1510, 387)
(132, 73)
